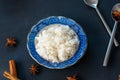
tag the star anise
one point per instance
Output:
(11, 42)
(34, 69)
(72, 77)
(118, 77)
(116, 15)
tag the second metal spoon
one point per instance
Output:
(116, 17)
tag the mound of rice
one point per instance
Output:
(56, 43)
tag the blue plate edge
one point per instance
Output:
(57, 67)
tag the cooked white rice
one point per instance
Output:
(56, 43)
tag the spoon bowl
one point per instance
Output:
(91, 3)
(115, 13)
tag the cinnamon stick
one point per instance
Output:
(9, 76)
(12, 66)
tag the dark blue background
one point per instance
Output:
(18, 16)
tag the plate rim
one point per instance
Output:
(48, 61)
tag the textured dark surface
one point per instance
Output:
(18, 16)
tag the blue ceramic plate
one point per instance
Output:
(57, 20)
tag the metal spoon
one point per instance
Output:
(93, 4)
(116, 17)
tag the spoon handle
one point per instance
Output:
(106, 26)
(107, 56)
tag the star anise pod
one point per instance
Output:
(118, 77)
(116, 15)
(11, 42)
(72, 77)
(34, 69)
